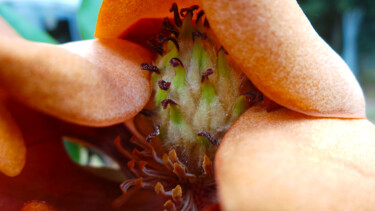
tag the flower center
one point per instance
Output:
(196, 98)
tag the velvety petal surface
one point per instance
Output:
(283, 160)
(12, 147)
(278, 49)
(116, 16)
(96, 82)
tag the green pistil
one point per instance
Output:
(222, 64)
(197, 52)
(160, 96)
(178, 83)
(171, 54)
(187, 27)
(203, 141)
(208, 93)
(239, 107)
(202, 83)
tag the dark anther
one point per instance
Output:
(200, 35)
(175, 62)
(205, 74)
(164, 85)
(156, 46)
(191, 9)
(163, 39)
(169, 27)
(146, 112)
(200, 15)
(155, 133)
(177, 19)
(223, 49)
(208, 137)
(166, 102)
(206, 24)
(149, 67)
(253, 97)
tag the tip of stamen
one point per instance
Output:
(201, 35)
(223, 49)
(206, 24)
(156, 132)
(200, 15)
(163, 39)
(164, 85)
(156, 46)
(205, 74)
(169, 27)
(191, 9)
(177, 19)
(151, 68)
(166, 102)
(209, 137)
(146, 112)
(175, 62)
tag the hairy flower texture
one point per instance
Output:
(313, 152)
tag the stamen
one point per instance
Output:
(177, 19)
(199, 16)
(151, 68)
(201, 35)
(155, 133)
(191, 9)
(253, 97)
(163, 39)
(177, 194)
(167, 162)
(206, 24)
(164, 85)
(169, 27)
(208, 137)
(179, 170)
(156, 46)
(223, 49)
(169, 206)
(207, 166)
(173, 156)
(146, 112)
(175, 62)
(159, 189)
(166, 102)
(205, 74)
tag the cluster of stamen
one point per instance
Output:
(196, 98)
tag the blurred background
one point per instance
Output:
(347, 25)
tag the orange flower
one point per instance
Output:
(317, 154)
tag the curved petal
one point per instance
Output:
(284, 160)
(99, 84)
(285, 58)
(7, 30)
(12, 146)
(116, 16)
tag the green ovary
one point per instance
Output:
(203, 102)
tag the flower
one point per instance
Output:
(319, 148)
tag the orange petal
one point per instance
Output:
(12, 146)
(37, 206)
(7, 30)
(99, 84)
(284, 160)
(116, 16)
(280, 52)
